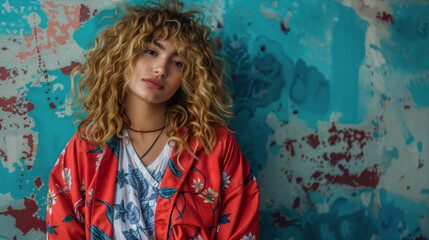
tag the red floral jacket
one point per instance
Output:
(202, 196)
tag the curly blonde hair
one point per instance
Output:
(202, 100)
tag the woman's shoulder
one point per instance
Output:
(222, 132)
(80, 143)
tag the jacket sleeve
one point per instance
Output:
(64, 215)
(239, 217)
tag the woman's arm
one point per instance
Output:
(65, 202)
(239, 217)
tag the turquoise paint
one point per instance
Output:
(19, 20)
(53, 137)
(390, 155)
(407, 32)
(375, 134)
(275, 149)
(316, 197)
(348, 50)
(374, 47)
(420, 92)
(14, 179)
(410, 138)
(420, 146)
(85, 35)
(397, 208)
(309, 89)
(347, 217)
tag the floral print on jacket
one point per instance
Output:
(202, 196)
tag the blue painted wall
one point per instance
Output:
(331, 104)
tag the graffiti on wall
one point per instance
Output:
(331, 105)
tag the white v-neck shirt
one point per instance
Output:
(137, 192)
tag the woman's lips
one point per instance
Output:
(154, 83)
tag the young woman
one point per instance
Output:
(153, 156)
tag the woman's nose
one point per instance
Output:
(160, 68)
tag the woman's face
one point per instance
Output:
(157, 73)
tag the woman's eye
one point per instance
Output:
(151, 52)
(178, 64)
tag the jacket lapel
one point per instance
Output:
(174, 177)
(104, 192)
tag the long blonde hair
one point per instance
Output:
(201, 102)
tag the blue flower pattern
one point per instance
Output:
(137, 190)
(121, 179)
(131, 213)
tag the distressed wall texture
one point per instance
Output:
(332, 109)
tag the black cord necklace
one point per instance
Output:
(151, 146)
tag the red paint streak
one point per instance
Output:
(289, 146)
(4, 73)
(26, 219)
(325, 156)
(38, 182)
(67, 70)
(262, 48)
(352, 137)
(284, 29)
(94, 12)
(280, 220)
(4, 48)
(219, 25)
(336, 157)
(406, 107)
(16, 106)
(3, 155)
(420, 163)
(84, 13)
(385, 17)
(313, 140)
(296, 203)
(298, 180)
(29, 155)
(368, 178)
(359, 156)
(313, 187)
(289, 175)
(316, 175)
(52, 105)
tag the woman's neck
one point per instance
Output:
(146, 117)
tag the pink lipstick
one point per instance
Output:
(154, 83)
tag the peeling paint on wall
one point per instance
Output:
(331, 104)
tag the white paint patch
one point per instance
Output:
(34, 19)
(268, 12)
(56, 86)
(13, 144)
(67, 108)
(7, 7)
(274, 4)
(8, 201)
(366, 198)
(214, 14)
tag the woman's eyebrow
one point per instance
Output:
(162, 47)
(159, 45)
